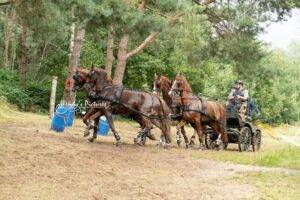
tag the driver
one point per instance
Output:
(239, 97)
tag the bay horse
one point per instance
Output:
(162, 86)
(94, 113)
(197, 112)
(148, 108)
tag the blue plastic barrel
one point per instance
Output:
(103, 126)
(59, 119)
(70, 116)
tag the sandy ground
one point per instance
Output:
(36, 163)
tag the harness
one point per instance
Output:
(115, 98)
(186, 108)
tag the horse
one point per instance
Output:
(80, 82)
(162, 86)
(149, 107)
(197, 112)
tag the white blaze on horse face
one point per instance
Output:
(154, 88)
(172, 90)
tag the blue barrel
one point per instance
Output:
(70, 116)
(103, 126)
(59, 119)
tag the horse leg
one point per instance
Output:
(146, 126)
(192, 142)
(199, 130)
(109, 117)
(86, 120)
(186, 140)
(179, 127)
(164, 125)
(96, 123)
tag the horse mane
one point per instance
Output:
(166, 79)
(103, 73)
(186, 86)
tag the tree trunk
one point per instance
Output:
(121, 65)
(23, 64)
(110, 49)
(76, 42)
(52, 96)
(7, 37)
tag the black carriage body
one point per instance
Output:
(243, 133)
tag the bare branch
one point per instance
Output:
(152, 37)
(205, 2)
(143, 45)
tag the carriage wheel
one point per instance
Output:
(244, 139)
(256, 141)
(211, 141)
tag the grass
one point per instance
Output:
(9, 113)
(272, 185)
(273, 153)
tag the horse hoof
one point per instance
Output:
(160, 144)
(186, 146)
(91, 140)
(151, 136)
(190, 145)
(167, 146)
(86, 133)
(119, 144)
(179, 143)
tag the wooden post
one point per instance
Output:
(52, 97)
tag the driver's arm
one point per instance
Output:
(230, 96)
(245, 97)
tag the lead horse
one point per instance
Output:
(80, 82)
(149, 107)
(197, 112)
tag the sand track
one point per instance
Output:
(36, 163)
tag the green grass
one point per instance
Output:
(272, 154)
(284, 157)
(273, 185)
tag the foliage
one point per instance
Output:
(35, 97)
(211, 45)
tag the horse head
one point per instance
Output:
(99, 78)
(80, 78)
(161, 84)
(180, 84)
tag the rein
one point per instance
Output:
(117, 101)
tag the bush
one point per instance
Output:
(34, 98)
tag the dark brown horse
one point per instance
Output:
(162, 86)
(147, 108)
(197, 112)
(98, 109)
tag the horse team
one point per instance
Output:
(168, 103)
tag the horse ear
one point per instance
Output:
(155, 76)
(92, 68)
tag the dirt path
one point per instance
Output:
(36, 163)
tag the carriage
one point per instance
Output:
(241, 132)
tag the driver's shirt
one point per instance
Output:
(243, 93)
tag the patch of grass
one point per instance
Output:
(273, 154)
(273, 185)
(285, 157)
(9, 113)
